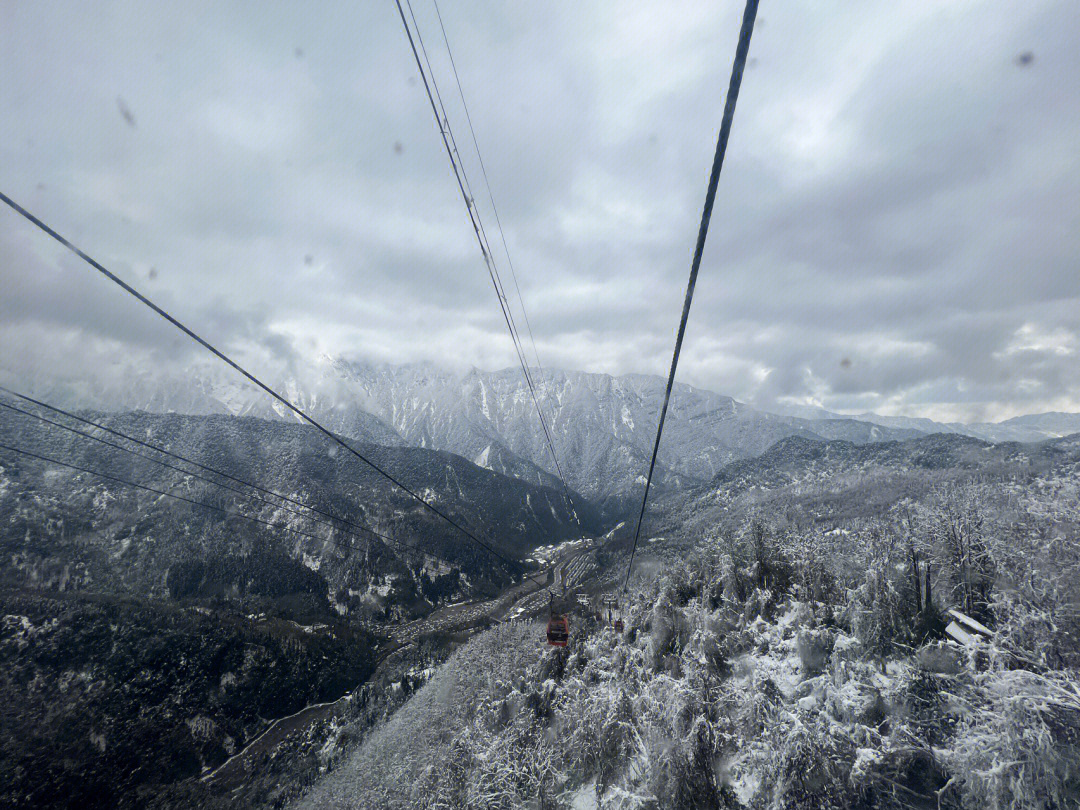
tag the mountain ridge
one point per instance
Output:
(602, 426)
(1027, 428)
(127, 540)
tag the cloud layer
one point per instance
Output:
(897, 227)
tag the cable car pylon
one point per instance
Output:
(614, 612)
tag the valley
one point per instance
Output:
(292, 599)
(518, 602)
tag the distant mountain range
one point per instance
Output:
(603, 426)
(1029, 428)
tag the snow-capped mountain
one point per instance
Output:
(602, 426)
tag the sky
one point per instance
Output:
(897, 226)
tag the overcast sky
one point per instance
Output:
(897, 226)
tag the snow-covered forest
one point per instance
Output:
(776, 666)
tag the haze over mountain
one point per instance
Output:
(1035, 427)
(602, 426)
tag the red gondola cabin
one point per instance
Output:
(558, 631)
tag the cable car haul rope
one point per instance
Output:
(706, 215)
(434, 97)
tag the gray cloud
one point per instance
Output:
(897, 227)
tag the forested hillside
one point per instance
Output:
(795, 658)
(108, 701)
(146, 639)
(65, 529)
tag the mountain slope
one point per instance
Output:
(792, 658)
(603, 427)
(63, 529)
(839, 479)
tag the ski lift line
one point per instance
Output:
(478, 223)
(486, 245)
(450, 144)
(506, 249)
(181, 470)
(491, 196)
(737, 68)
(470, 201)
(388, 540)
(247, 374)
(439, 108)
(178, 457)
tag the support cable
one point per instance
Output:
(159, 449)
(491, 199)
(452, 152)
(117, 479)
(195, 475)
(400, 545)
(710, 196)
